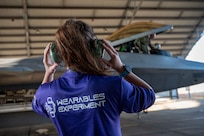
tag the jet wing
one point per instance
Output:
(22, 73)
(163, 72)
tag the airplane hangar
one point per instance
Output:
(27, 26)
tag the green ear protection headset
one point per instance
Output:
(54, 53)
(99, 49)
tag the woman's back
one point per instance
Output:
(81, 104)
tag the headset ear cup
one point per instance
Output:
(54, 53)
(99, 48)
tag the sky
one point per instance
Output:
(197, 54)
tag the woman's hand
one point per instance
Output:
(115, 61)
(117, 64)
(50, 67)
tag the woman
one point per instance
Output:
(86, 100)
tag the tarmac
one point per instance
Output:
(167, 117)
(172, 118)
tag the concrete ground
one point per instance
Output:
(165, 118)
(172, 118)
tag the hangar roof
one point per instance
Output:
(27, 26)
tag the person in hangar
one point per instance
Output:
(87, 99)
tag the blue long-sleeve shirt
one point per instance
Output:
(87, 105)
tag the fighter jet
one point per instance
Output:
(163, 72)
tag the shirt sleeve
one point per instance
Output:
(135, 98)
(37, 104)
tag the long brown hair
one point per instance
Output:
(74, 41)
